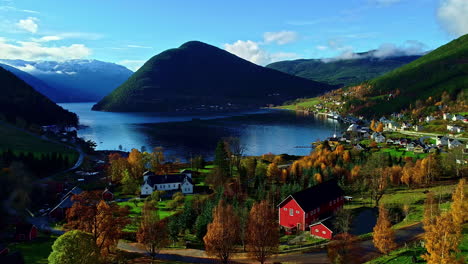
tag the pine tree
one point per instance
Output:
(384, 236)
(221, 158)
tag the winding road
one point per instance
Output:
(315, 256)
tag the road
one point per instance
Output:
(422, 134)
(367, 251)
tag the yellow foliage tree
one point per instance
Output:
(379, 127)
(460, 204)
(431, 211)
(384, 236)
(273, 172)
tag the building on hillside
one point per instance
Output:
(454, 129)
(442, 141)
(419, 149)
(453, 143)
(170, 183)
(457, 118)
(299, 210)
(58, 212)
(322, 228)
(107, 195)
(25, 232)
(418, 128)
(429, 118)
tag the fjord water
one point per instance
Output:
(186, 135)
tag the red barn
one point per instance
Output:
(107, 195)
(298, 211)
(322, 228)
(25, 232)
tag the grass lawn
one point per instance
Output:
(164, 212)
(36, 251)
(306, 103)
(19, 141)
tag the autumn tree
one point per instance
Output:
(342, 221)
(74, 247)
(273, 172)
(431, 211)
(104, 221)
(152, 231)
(384, 236)
(372, 125)
(117, 167)
(262, 234)
(459, 206)
(157, 160)
(222, 233)
(379, 128)
(442, 240)
(137, 164)
(221, 159)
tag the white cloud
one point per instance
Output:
(139, 47)
(12, 8)
(280, 38)
(320, 47)
(133, 65)
(29, 24)
(36, 51)
(252, 51)
(386, 50)
(453, 15)
(47, 39)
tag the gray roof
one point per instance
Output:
(167, 178)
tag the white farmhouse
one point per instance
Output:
(454, 129)
(169, 182)
(454, 143)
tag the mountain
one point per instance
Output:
(442, 71)
(34, 82)
(74, 80)
(198, 76)
(342, 72)
(19, 101)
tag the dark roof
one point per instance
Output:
(168, 178)
(317, 195)
(23, 228)
(328, 222)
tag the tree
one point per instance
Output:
(117, 166)
(74, 247)
(442, 240)
(273, 172)
(431, 211)
(384, 236)
(459, 206)
(372, 125)
(379, 127)
(262, 234)
(342, 221)
(222, 233)
(152, 231)
(343, 250)
(137, 164)
(92, 215)
(221, 159)
(157, 160)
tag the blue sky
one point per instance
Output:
(262, 31)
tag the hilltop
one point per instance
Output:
(71, 80)
(198, 76)
(19, 102)
(343, 72)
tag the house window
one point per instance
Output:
(285, 209)
(297, 212)
(323, 232)
(316, 230)
(291, 212)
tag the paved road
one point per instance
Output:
(367, 251)
(414, 133)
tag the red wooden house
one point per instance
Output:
(322, 228)
(299, 210)
(25, 232)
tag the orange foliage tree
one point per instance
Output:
(262, 233)
(152, 231)
(222, 233)
(384, 236)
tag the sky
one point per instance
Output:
(129, 32)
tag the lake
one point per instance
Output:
(186, 135)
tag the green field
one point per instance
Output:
(19, 141)
(37, 251)
(305, 103)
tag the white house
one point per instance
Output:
(457, 117)
(353, 128)
(441, 140)
(447, 116)
(377, 137)
(454, 143)
(454, 129)
(430, 118)
(170, 182)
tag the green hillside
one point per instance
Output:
(19, 101)
(342, 72)
(198, 76)
(442, 70)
